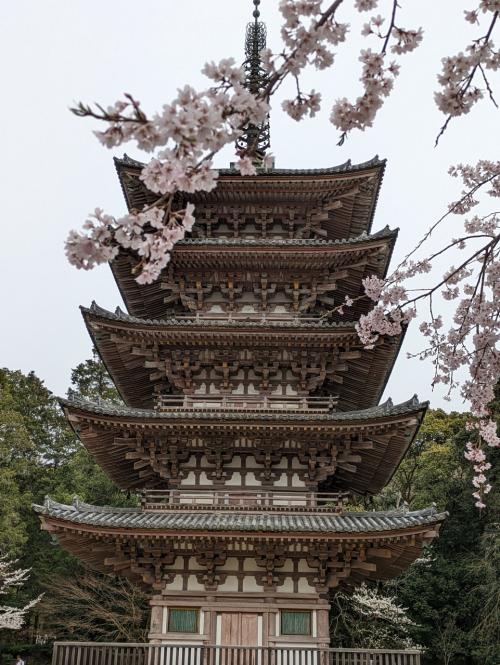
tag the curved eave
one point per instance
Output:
(390, 429)
(312, 187)
(371, 253)
(391, 541)
(345, 526)
(116, 335)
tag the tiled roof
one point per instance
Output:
(345, 167)
(386, 409)
(135, 518)
(386, 232)
(120, 315)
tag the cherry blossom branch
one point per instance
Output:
(459, 71)
(471, 341)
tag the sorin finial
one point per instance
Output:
(256, 139)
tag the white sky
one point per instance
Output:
(53, 171)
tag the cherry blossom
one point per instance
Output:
(472, 338)
(13, 618)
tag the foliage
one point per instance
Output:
(485, 567)
(40, 455)
(448, 590)
(92, 606)
(90, 380)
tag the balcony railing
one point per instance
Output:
(293, 403)
(94, 653)
(249, 500)
(260, 317)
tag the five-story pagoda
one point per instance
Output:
(249, 417)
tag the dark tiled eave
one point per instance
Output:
(345, 167)
(105, 517)
(283, 244)
(120, 316)
(386, 410)
(115, 334)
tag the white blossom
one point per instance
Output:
(13, 618)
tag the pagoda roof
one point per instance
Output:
(383, 410)
(388, 428)
(205, 254)
(143, 545)
(331, 525)
(288, 244)
(121, 340)
(310, 187)
(192, 323)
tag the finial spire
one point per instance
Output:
(256, 139)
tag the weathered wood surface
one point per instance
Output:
(94, 653)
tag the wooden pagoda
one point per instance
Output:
(248, 417)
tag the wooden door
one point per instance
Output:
(249, 630)
(239, 629)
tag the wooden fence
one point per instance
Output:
(96, 653)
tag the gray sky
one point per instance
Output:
(53, 171)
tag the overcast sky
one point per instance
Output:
(53, 171)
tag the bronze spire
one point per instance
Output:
(256, 139)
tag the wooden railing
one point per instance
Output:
(94, 653)
(246, 499)
(246, 403)
(260, 317)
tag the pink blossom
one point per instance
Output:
(365, 5)
(188, 220)
(373, 287)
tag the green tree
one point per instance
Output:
(486, 568)
(40, 455)
(445, 594)
(35, 443)
(90, 380)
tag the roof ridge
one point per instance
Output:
(344, 167)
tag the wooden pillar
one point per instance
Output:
(323, 627)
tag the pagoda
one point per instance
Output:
(250, 414)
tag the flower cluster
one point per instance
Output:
(458, 79)
(12, 618)
(377, 76)
(184, 137)
(477, 456)
(372, 604)
(378, 80)
(308, 33)
(146, 233)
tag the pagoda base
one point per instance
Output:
(241, 619)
